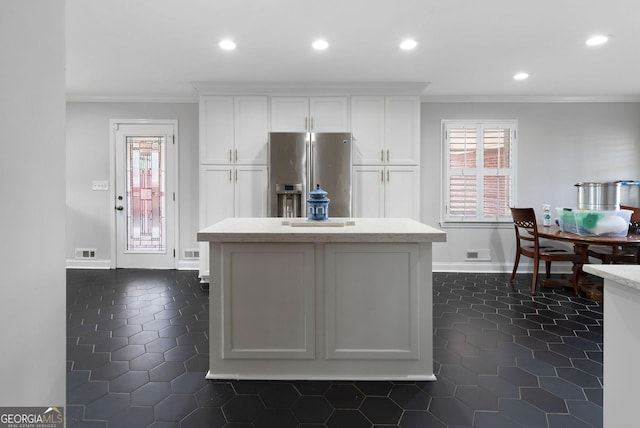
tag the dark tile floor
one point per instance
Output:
(138, 353)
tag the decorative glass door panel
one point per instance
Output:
(146, 194)
(145, 184)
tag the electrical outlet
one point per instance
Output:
(100, 185)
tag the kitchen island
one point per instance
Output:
(346, 299)
(621, 342)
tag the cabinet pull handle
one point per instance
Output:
(311, 124)
(236, 155)
(387, 176)
(306, 122)
(381, 155)
(230, 176)
(236, 175)
(382, 175)
(387, 155)
(230, 159)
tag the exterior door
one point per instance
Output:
(145, 195)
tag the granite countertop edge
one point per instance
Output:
(628, 275)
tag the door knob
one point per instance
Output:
(119, 207)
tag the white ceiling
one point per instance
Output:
(146, 49)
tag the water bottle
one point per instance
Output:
(546, 215)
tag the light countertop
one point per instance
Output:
(244, 229)
(628, 275)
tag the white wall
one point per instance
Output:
(32, 190)
(559, 144)
(88, 211)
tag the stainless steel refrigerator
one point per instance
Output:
(300, 160)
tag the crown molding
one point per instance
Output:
(529, 99)
(310, 88)
(131, 99)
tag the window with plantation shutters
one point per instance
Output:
(479, 170)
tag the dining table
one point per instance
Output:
(581, 245)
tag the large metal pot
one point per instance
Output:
(599, 196)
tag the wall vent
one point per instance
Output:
(85, 253)
(191, 254)
(483, 255)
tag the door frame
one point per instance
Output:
(173, 152)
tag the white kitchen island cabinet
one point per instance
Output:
(321, 302)
(621, 342)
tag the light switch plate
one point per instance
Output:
(100, 185)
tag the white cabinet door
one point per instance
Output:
(250, 191)
(367, 127)
(268, 301)
(304, 114)
(402, 130)
(372, 301)
(227, 191)
(216, 129)
(289, 114)
(216, 194)
(402, 192)
(251, 130)
(329, 114)
(368, 191)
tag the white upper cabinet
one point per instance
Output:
(216, 129)
(402, 130)
(309, 114)
(234, 130)
(329, 114)
(367, 128)
(251, 130)
(386, 130)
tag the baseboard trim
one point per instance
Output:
(88, 264)
(188, 265)
(106, 264)
(489, 267)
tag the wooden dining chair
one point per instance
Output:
(528, 245)
(616, 254)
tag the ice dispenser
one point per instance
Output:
(289, 198)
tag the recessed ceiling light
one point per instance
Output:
(597, 40)
(408, 44)
(320, 45)
(227, 44)
(521, 76)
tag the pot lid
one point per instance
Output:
(597, 184)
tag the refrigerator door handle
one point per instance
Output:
(308, 169)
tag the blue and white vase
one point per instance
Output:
(318, 205)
